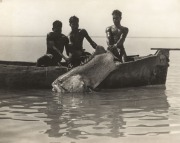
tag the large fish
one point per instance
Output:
(88, 76)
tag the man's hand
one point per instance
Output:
(115, 46)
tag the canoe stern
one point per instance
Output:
(149, 70)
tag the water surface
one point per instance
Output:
(142, 114)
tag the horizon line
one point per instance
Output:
(90, 36)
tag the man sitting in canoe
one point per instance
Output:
(56, 41)
(116, 35)
(76, 37)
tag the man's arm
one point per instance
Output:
(109, 37)
(67, 46)
(123, 37)
(93, 44)
(50, 44)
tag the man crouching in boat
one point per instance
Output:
(76, 37)
(116, 35)
(56, 41)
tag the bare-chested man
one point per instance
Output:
(76, 37)
(56, 41)
(116, 35)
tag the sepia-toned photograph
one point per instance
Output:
(89, 71)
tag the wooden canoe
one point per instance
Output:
(138, 71)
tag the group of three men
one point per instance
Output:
(56, 41)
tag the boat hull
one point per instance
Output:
(142, 71)
(18, 76)
(151, 70)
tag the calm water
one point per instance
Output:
(143, 114)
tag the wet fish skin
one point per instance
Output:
(72, 84)
(86, 77)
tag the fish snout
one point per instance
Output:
(57, 86)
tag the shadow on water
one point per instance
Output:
(113, 113)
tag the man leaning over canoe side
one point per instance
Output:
(56, 41)
(116, 35)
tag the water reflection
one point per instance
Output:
(113, 113)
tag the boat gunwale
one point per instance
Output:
(33, 64)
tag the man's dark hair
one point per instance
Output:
(73, 19)
(117, 12)
(57, 23)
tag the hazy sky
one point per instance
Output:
(154, 18)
